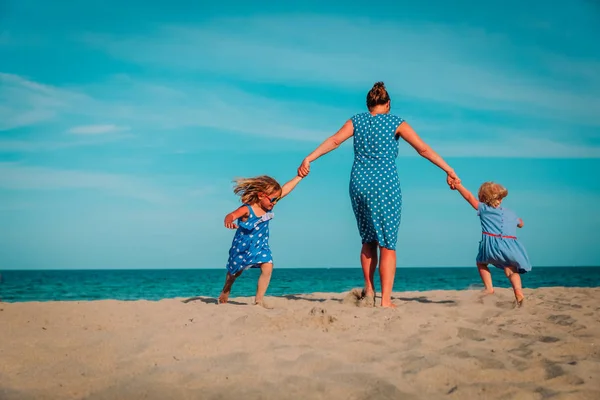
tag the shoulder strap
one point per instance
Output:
(250, 210)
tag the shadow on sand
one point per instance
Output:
(301, 297)
(424, 300)
(211, 300)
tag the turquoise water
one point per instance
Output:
(16, 286)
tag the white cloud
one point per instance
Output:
(24, 102)
(227, 108)
(96, 129)
(156, 105)
(457, 66)
(514, 148)
(26, 146)
(19, 177)
(470, 139)
(434, 64)
(152, 106)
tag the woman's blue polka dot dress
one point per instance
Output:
(374, 183)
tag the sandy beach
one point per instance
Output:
(436, 345)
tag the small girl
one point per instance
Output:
(499, 245)
(250, 247)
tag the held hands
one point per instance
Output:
(452, 180)
(304, 168)
(229, 222)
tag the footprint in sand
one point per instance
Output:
(490, 363)
(355, 298)
(472, 334)
(522, 351)
(320, 315)
(506, 305)
(548, 339)
(553, 370)
(562, 319)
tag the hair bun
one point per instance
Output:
(377, 95)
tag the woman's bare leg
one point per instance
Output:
(368, 261)
(387, 273)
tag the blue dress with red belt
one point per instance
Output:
(499, 245)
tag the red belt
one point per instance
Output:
(495, 235)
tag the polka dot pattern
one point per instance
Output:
(374, 184)
(250, 246)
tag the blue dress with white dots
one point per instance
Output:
(499, 245)
(250, 246)
(374, 183)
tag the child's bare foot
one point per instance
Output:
(229, 279)
(482, 294)
(223, 297)
(263, 304)
(519, 300)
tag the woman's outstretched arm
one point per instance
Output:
(331, 143)
(406, 132)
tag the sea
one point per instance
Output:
(157, 284)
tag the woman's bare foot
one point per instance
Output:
(388, 305)
(367, 298)
(367, 293)
(367, 301)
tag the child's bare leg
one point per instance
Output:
(368, 261)
(266, 269)
(229, 280)
(486, 278)
(515, 280)
(387, 273)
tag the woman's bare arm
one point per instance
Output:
(406, 132)
(331, 143)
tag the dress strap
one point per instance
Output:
(251, 210)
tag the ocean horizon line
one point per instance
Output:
(152, 284)
(295, 268)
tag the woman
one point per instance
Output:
(374, 184)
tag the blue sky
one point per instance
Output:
(123, 124)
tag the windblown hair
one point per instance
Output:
(377, 95)
(249, 189)
(492, 193)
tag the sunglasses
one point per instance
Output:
(274, 200)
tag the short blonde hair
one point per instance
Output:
(249, 189)
(492, 193)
